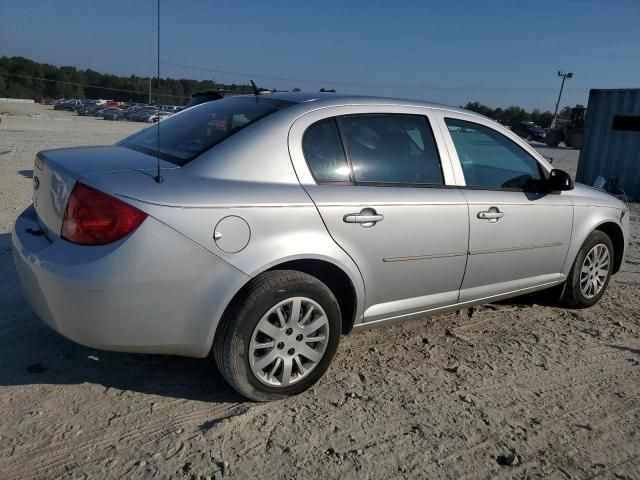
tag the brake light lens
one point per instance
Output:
(95, 218)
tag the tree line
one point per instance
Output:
(24, 78)
(513, 115)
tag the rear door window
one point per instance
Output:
(393, 149)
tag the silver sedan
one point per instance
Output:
(261, 228)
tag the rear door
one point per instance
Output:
(385, 195)
(519, 234)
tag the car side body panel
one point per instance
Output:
(524, 248)
(415, 257)
(251, 203)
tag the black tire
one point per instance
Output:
(573, 296)
(575, 140)
(553, 139)
(231, 344)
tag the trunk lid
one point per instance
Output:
(55, 173)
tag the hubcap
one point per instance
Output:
(288, 342)
(594, 271)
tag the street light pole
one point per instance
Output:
(150, 68)
(564, 76)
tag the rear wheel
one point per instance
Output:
(279, 337)
(590, 273)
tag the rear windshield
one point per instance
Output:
(185, 136)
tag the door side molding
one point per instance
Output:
(515, 249)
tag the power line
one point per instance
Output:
(372, 85)
(599, 79)
(111, 89)
(458, 88)
(140, 92)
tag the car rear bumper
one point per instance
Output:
(152, 292)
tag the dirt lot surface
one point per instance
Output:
(513, 390)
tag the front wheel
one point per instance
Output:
(279, 336)
(590, 273)
(553, 139)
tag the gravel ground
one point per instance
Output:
(519, 389)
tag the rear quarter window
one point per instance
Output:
(324, 153)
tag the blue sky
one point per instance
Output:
(500, 52)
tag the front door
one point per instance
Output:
(518, 235)
(379, 187)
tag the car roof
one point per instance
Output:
(337, 99)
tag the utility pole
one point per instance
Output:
(564, 76)
(150, 67)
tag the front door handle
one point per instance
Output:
(367, 217)
(493, 215)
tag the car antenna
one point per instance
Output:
(158, 177)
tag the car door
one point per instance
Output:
(384, 194)
(519, 233)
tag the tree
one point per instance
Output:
(480, 108)
(565, 113)
(3, 86)
(23, 78)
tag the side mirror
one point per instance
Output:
(559, 180)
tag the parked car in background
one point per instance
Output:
(93, 110)
(204, 96)
(286, 220)
(128, 112)
(79, 104)
(171, 108)
(143, 114)
(65, 104)
(112, 104)
(529, 131)
(158, 117)
(72, 105)
(85, 107)
(112, 114)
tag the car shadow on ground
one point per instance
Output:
(33, 354)
(546, 298)
(26, 173)
(622, 348)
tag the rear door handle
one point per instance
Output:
(493, 215)
(367, 217)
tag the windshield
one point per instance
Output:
(185, 136)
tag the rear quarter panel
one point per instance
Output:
(283, 221)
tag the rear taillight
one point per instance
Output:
(95, 218)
